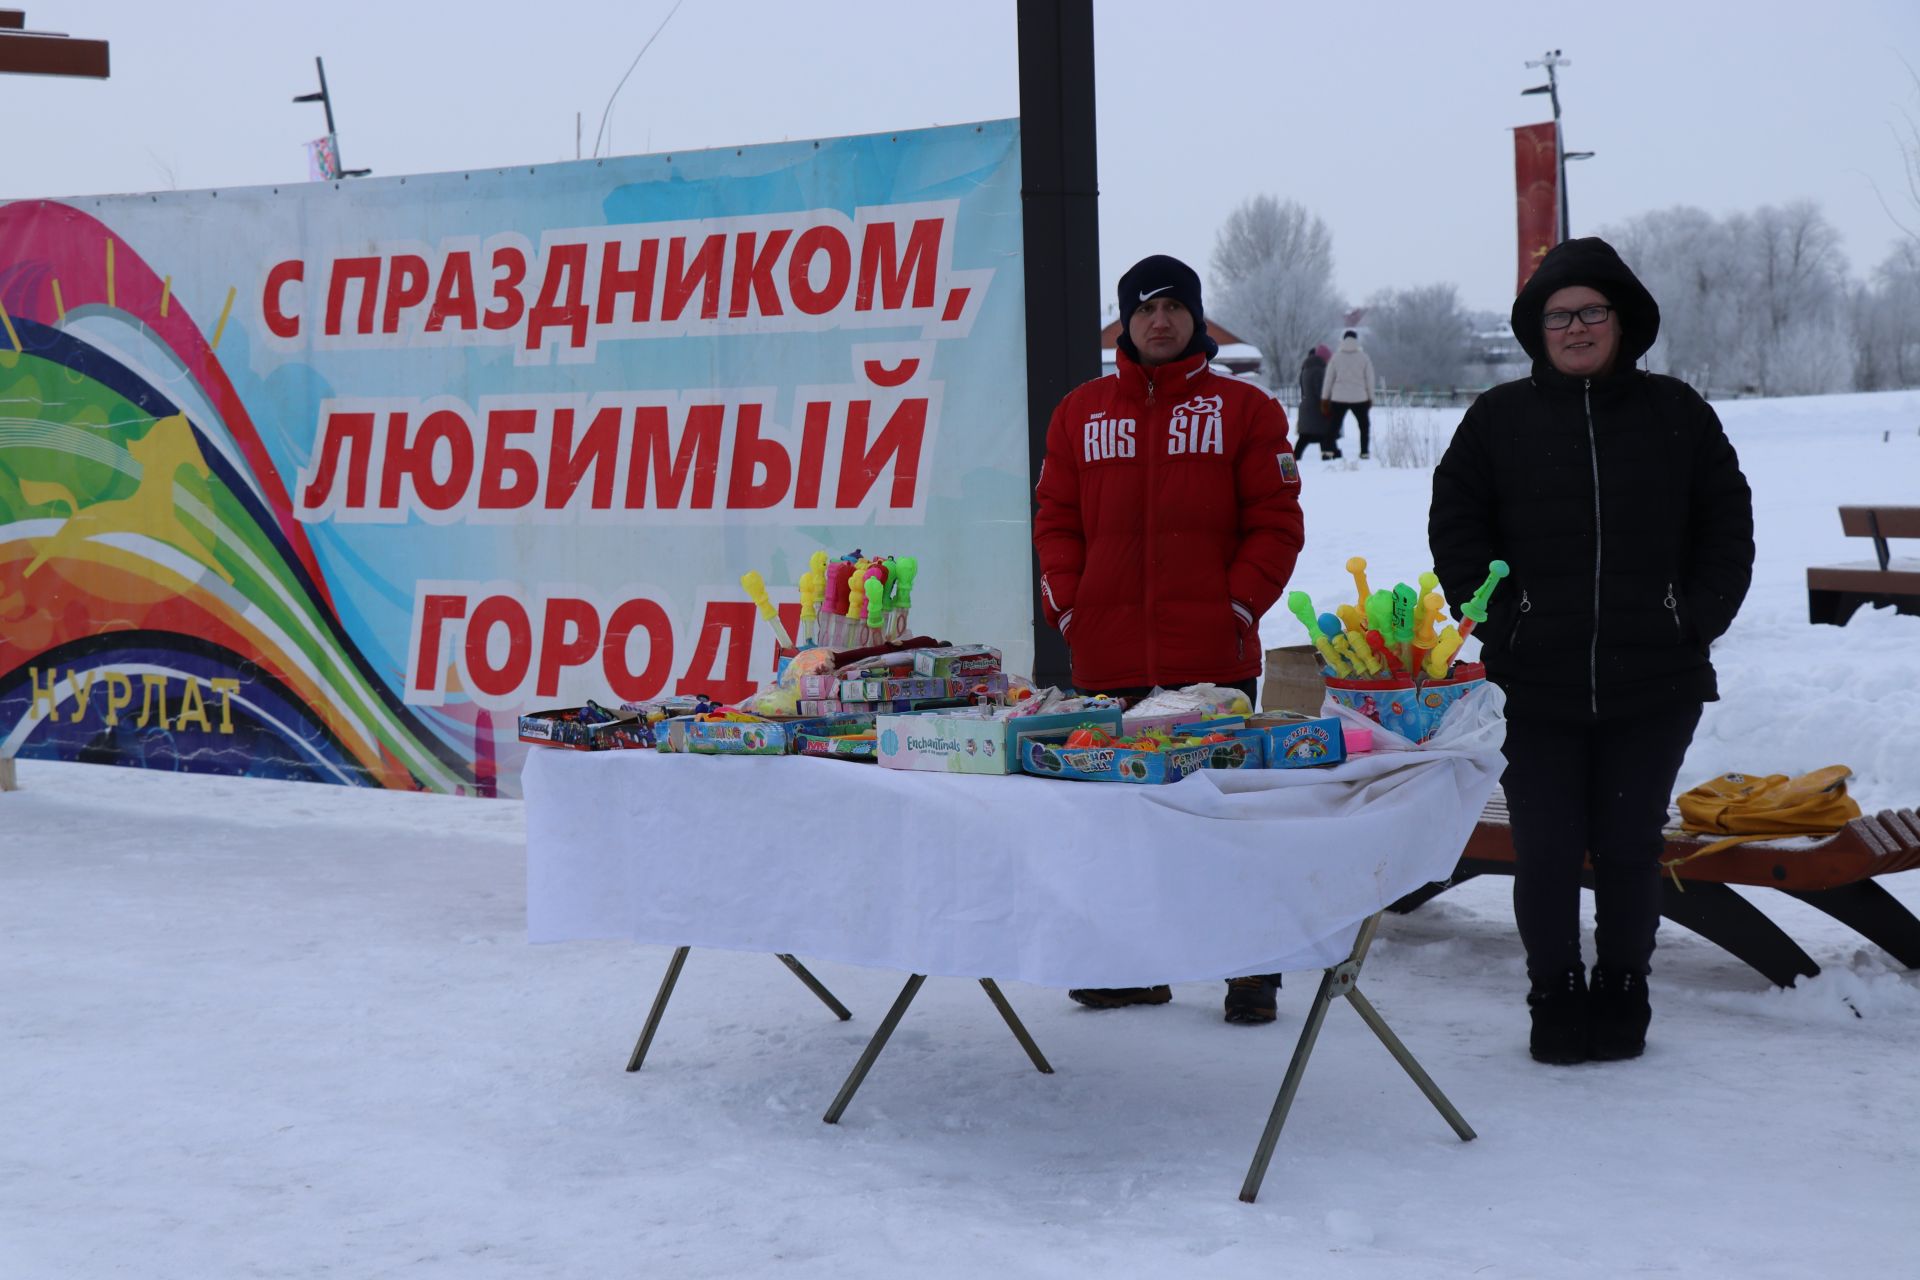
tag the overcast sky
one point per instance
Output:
(1391, 121)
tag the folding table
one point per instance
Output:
(1055, 883)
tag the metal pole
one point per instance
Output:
(1559, 154)
(325, 101)
(1060, 228)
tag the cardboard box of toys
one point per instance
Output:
(770, 737)
(1290, 740)
(1047, 755)
(963, 742)
(588, 728)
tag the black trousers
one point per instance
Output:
(1599, 790)
(1360, 412)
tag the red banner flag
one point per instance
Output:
(1536, 174)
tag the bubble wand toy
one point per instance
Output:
(756, 589)
(831, 627)
(900, 595)
(1301, 606)
(856, 603)
(812, 588)
(876, 589)
(1474, 611)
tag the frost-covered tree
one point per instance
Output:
(1886, 322)
(1273, 278)
(1753, 301)
(1420, 338)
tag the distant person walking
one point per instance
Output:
(1348, 385)
(1314, 425)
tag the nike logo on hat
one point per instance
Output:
(1154, 292)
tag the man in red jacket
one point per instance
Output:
(1168, 522)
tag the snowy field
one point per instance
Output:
(258, 1029)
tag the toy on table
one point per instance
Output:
(813, 590)
(756, 589)
(900, 595)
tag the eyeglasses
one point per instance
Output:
(1595, 314)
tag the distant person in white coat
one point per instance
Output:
(1348, 385)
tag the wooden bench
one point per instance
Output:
(1834, 591)
(1833, 873)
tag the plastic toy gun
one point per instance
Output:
(1301, 606)
(1474, 611)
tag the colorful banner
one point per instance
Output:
(332, 481)
(1536, 184)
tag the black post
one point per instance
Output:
(325, 100)
(1060, 226)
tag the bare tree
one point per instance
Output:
(1273, 275)
(1906, 136)
(1420, 338)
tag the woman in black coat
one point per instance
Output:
(1616, 499)
(1311, 424)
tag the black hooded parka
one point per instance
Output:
(1619, 506)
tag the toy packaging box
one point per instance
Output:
(961, 743)
(1047, 755)
(765, 737)
(1289, 740)
(582, 730)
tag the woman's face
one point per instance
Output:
(1582, 350)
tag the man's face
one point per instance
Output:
(1160, 328)
(1582, 350)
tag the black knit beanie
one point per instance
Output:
(1163, 277)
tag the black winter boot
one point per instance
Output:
(1250, 1001)
(1618, 1014)
(1559, 1008)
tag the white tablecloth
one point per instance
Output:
(1056, 883)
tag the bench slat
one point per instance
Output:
(1894, 522)
(1880, 844)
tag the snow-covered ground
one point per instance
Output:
(266, 1029)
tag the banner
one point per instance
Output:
(1536, 183)
(332, 481)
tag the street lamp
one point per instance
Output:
(1552, 60)
(333, 139)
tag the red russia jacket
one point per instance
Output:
(1169, 520)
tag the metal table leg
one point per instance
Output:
(1016, 1026)
(800, 971)
(892, 1020)
(874, 1046)
(659, 1007)
(1342, 980)
(814, 985)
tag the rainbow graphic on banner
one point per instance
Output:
(159, 604)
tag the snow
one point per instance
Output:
(269, 1029)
